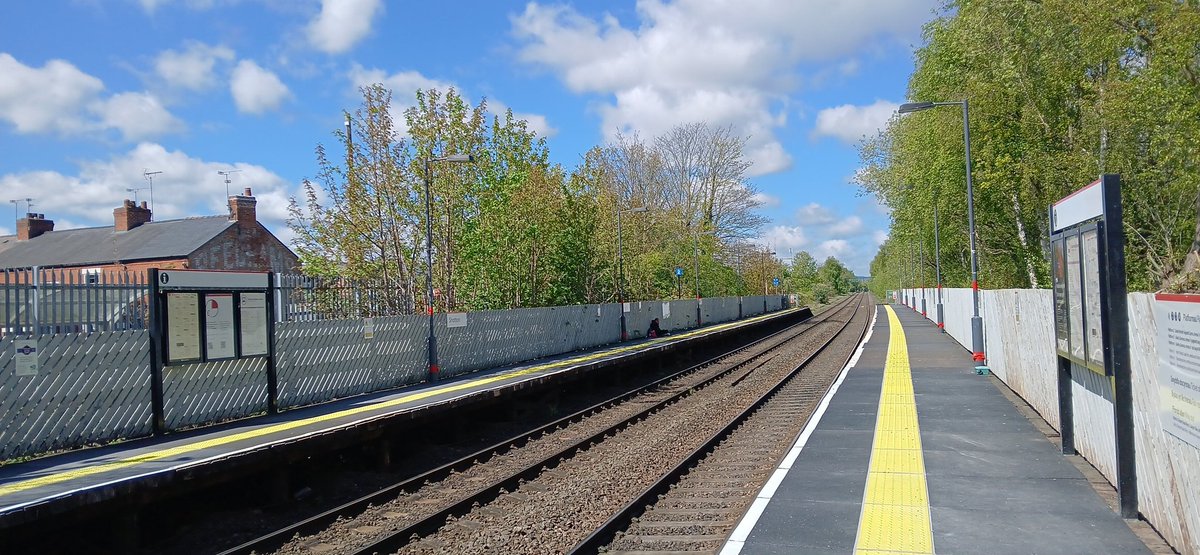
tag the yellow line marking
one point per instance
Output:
(895, 513)
(109, 466)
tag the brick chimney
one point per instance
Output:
(130, 215)
(241, 210)
(33, 225)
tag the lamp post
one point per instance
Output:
(937, 263)
(977, 347)
(621, 268)
(766, 252)
(696, 255)
(457, 158)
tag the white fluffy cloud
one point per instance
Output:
(404, 86)
(727, 63)
(850, 124)
(46, 99)
(342, 23)
(192, 68)
(136, 115)
(59, 98)
(188, 186)
(256, 90)
(785, 238)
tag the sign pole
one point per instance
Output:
(1114, 321)
(158, 418)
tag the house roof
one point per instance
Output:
(103, 245)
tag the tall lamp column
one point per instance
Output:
(977, 346)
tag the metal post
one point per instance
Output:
(157, 356)
(696, 255)
(924, 314)
(620, 277)
(272, 370)
(937, 258)
(977, 347)
(1114, 322)
(433, 360)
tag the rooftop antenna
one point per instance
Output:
(134, 190)
(149, 175)
(16, 202)
(226, 174)
(28, 204)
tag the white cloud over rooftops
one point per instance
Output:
(61, 99)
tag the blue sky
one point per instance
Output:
(95, 92)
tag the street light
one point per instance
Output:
(937, 263)
(696, 255)
(458, 158)
(976, 321)
(621, 268)
(766, 252)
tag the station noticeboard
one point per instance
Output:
(212, 315)
(1076, 242)
(1178, 321)
(1091, 318)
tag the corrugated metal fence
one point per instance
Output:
(93, 383)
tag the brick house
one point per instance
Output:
(134, 243)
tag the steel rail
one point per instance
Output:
(273, 540)
(604, 535)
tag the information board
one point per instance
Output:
(252, 308)
(218, 326)
(1074, 302)
(1089, 240)
(1178, 319)
(1061, 315)
(456, 319)
(666, 311)
(183, 327)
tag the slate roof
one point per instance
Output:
(103, 245)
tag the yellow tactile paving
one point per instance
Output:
(903, 461)
(895, 513)
(109, 466)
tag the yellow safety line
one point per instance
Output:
(895, 511)
(99, 468)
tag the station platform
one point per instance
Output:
(916, 453)
(90, 478)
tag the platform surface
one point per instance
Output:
(91, 475)
(915, 453)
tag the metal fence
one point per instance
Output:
(302, 298)
(72, 300)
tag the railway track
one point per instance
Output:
(387, 520)
(696, 506)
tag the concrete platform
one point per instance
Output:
(95, 479)
(977, 478)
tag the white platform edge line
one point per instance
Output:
(733, 546)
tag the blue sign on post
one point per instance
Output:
(775, 281)
(678, 272)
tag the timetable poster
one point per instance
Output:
(218, 326)
(183, 327)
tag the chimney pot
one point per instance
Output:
(129, 215)
(33, 225)
(145, 206)
(247, 192)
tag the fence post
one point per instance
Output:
(159, 422)
(272, 377)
